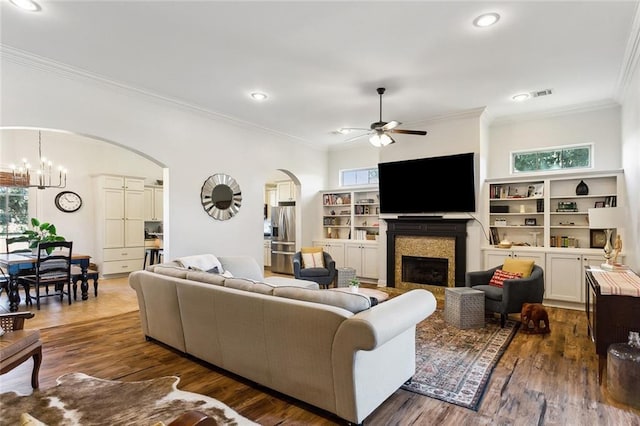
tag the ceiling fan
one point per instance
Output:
(379, 131)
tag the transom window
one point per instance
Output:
(353, 177)
(557, 158)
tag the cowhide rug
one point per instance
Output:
(79, 399)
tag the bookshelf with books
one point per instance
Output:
(351, 215)
(559, 239)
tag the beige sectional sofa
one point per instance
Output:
(328, 348)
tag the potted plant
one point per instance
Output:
(354, 284)
(41, 232)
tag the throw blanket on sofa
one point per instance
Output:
(201, 262)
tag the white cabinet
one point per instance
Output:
(363, 257)
(119, 223)
(153, 203)
(335, 249)
(286, 191)
(267, 253)
(565, 280)
(495, 257)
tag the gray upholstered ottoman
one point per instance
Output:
(464, 307)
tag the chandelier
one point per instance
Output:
(43, 176)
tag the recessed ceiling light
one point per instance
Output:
(344, 130)
(259, 96)
(520, 97)
(28, 5)
(486, 20)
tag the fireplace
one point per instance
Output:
(425, 270)
(426, 251)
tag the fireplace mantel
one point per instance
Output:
(428, 226)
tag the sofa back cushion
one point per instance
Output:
(352, 302)
(206, 277)
(242, 267)
(172, 271)
(249, 285)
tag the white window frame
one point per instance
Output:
(512, 155)
(356, 170)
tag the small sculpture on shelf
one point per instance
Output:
(582, 188)
(617, 248)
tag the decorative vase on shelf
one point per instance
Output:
(582, 188)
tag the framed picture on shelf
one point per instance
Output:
(530, 221)
(599, 204)
(598, 238)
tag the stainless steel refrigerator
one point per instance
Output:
(283, 239)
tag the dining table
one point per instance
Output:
(15, 264)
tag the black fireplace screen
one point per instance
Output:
(425, 270)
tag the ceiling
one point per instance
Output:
(321, 62)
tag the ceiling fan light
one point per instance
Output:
(385, 139)
(380, 139)
(375, 140)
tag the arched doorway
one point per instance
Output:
(283, 221)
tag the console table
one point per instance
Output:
(610, 317)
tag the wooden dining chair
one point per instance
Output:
(52, 268)
(17, 245)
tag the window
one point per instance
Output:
(559, 158)
(352, 177)
(14, 210)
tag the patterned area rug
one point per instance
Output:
(79, 399)
(455, 365)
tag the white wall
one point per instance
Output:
(83, 157)
(492, 142)
(631, 164)
(453, 134)
(192, 144)
(601, 127)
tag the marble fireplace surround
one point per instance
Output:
(427, 237)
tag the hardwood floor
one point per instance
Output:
(541, 379)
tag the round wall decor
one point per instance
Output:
(220, 196)
(68, 201)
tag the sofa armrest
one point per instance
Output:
(374, 327)
(374, 352)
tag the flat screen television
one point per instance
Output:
(428, 185)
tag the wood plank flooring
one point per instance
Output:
(540, 380)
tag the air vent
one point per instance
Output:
(538, 93)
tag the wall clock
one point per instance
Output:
(221, 196)
(68, 201)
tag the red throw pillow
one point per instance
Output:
(497, 280)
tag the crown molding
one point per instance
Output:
(631, 59)
(456, 115)
(47, 65)
(556, 112)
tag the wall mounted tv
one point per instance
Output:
(428, 185)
